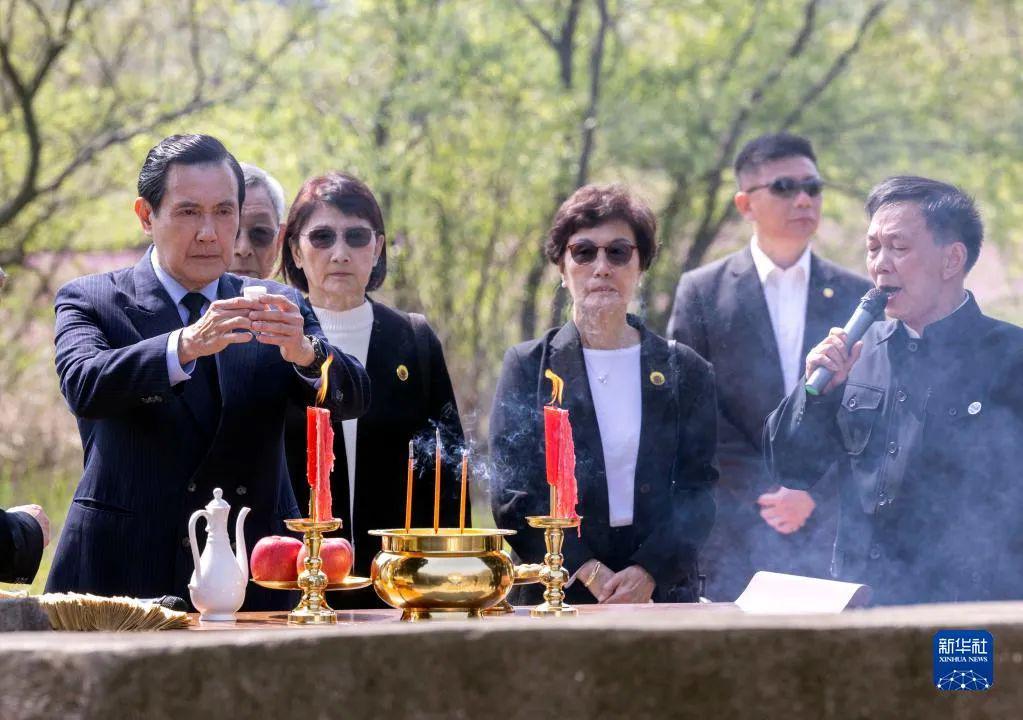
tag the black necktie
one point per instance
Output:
(193, 302)
(204, 376)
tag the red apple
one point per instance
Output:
(336, 554)
(273, 558)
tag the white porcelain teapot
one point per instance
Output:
(218, 583)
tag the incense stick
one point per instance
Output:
(408, 489)
(461, 506)
(436, 487)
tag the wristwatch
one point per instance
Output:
(312, 370)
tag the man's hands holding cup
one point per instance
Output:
(279, 322)
(833, 353)
(270, 319)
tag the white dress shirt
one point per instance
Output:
(177, 291)
(349, 331)
(785, 291)
(615, 385)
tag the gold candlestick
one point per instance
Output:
(553, 575)
(312, 609)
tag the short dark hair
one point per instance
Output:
(774, 146)
(349, 195)
(950, 214)
(183, 150)
(593, 205)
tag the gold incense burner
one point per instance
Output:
(421, 572)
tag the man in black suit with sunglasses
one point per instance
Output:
(754, 315)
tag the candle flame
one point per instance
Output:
(557, 386)
(321, 395)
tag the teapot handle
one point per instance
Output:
(191, 539)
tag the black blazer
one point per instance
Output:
(154, 453)
(21, 547)
(675, 471)
(720, 311)
(403, 407)
(925, 438)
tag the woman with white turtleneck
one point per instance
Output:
(643, 415)
(334, 249)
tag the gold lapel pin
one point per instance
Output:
(657, 377)
(828, 293)
(402, 373)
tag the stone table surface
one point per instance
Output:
(651, 661)
(272, 620)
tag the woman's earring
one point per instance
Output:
(563, 283)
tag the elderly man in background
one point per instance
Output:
(259, 237)
(923, 418)
(754, 315)
(179, 384)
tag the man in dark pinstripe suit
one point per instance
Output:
(179, 384)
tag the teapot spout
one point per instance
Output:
(242, 555)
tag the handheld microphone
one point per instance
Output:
(869, 311)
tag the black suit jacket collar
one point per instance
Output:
(153, 312)
(390, 344)
(387, 339)
(154, 305)
(753, 321)
(820, 303)
(565, 358)
(752, 306)
(958, 328)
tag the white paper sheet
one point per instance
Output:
(770, 592)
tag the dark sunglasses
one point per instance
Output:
(788, 187)
(261, 237)
(354, 237)
(618, 252)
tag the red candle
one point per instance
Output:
(320, 452)
(319, 462)
(560, 454)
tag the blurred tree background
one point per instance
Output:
(472, 120)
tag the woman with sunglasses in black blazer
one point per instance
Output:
(642, 412)
(335, 250)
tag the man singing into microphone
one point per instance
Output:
(923, 417)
